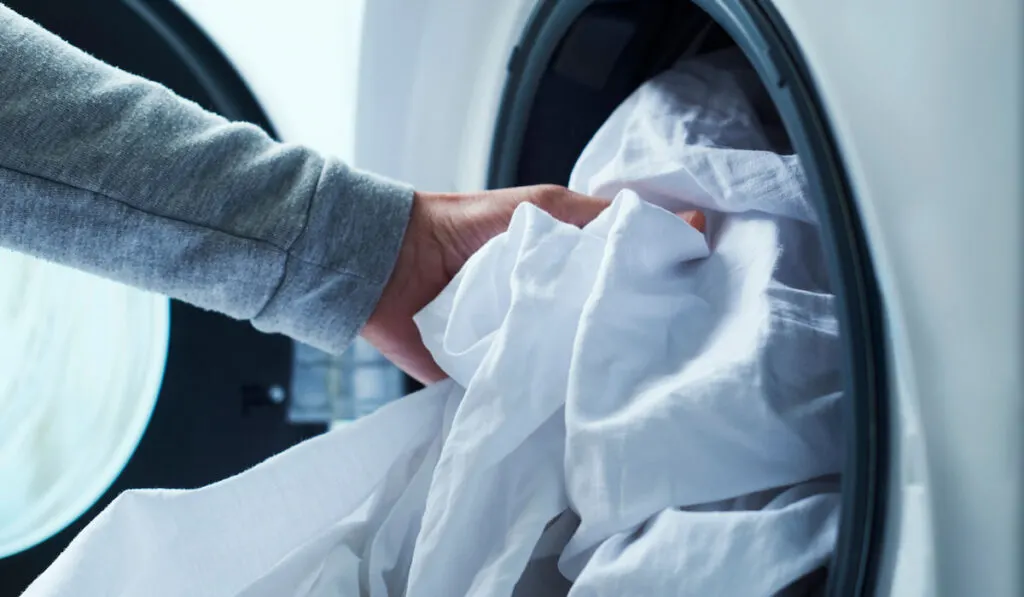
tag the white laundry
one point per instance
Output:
(738, 390)
(758, 545)
(669, 399)
(512, 314)
(320, 519)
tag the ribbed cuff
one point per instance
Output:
(337, 268)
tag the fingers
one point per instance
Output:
(565, 205)
(399, 341)
(694, 218)
(579, 210)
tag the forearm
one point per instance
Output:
(115, 175)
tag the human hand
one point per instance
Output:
(444, 230)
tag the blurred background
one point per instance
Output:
(230, 396)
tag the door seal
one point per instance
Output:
(761, 33)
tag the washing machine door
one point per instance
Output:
(578, 60)
(924, 100)
(216, 414)
(903, 113)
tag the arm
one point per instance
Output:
(115, 175)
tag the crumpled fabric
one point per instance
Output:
(634, 407)
(738, 389)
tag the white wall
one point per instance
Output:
(299, 57)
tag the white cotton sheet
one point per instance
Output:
(738, 389)
(636, 407)
(324, 518)
(760, 549)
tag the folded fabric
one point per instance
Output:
(634, 407)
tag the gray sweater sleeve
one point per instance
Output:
(115, 175)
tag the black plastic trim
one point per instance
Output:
(529, 59)
(769, 44)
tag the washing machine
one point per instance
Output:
(908, 119)
(907, 116)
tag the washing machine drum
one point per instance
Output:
(579, 60)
